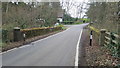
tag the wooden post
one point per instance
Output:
(102, 37)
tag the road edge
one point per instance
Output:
(32, 42)
(77, 49)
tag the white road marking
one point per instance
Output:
(77, 50)
(33, 42)
(50, 36)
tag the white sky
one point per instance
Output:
(74, 10)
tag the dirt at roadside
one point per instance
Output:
(95, 55)
(82, 53)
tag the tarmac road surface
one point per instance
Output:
(55, 50)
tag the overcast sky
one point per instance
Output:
(75, 9)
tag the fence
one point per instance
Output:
(112, 42)
(109, 39)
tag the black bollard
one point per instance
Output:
(91, 38)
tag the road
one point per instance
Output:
(55, 50)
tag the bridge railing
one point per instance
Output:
(111, 41)
(108, 39)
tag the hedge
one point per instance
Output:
(7, 36)
(32, 32)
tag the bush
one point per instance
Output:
(4, 35)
